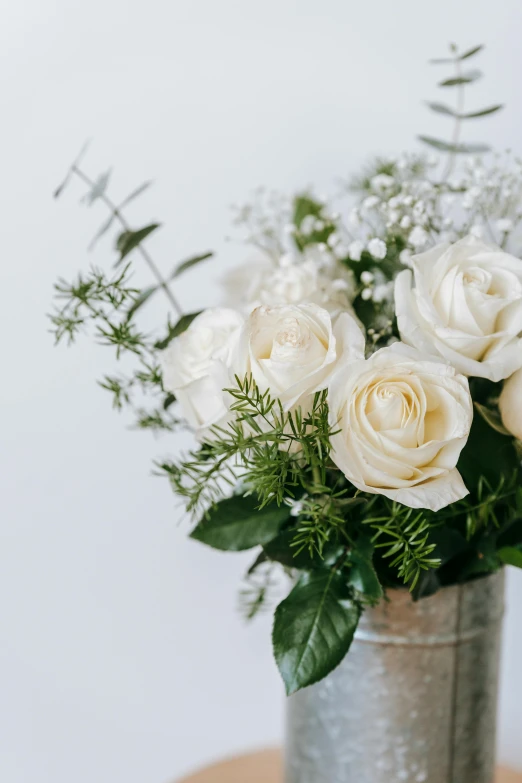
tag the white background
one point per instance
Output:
(122, 657)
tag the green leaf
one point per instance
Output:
(237, 523)
(511, 534)
(313, 629)
(487, 453)
(467, 78)
(492, 418)
(175, 330)
(135, 193)
(190, 262)
(363, 577)
(444, 146)
(511, 556)
(441, 108)
(169, 400)
(482, 112)
(304, 205)
(61, 187)
(441, 60)
(471, 52)
(141, 299)
(128, 240)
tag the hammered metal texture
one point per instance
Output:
(415, 699)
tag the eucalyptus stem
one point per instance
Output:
(458, 121)
(125, 225)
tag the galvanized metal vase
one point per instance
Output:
(415, 699)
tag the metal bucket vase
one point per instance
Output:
(415, 699)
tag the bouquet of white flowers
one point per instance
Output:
(357, 402)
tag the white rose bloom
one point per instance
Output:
(196, 366)
(310, 277)
(510, 404)
(403, 421)
(292, 350)
(466, 306)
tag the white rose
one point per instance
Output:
(403, 421)
(292, 350)
(510, 404)
(196, 366)
(309, 277)
(466, 306)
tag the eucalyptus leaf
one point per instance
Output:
(471, 52)
(462, 149)
(238, 523)
(140, 300)
(61, 187)
(313, 628)
(175, 330)
(511, 556)
(493, 418)
(190, 262)
(482, 112)
(128, 240)
(102, 230)
(135, 193)
(441, 60)
(441, 108)
(98, 188)
(467, 78)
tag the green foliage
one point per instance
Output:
(238, 523)
(128, 240)
(510, 555)
(306, 207)
(406, 541)
(314, 628)
(459, 80)
(189, 263)
(174, 330)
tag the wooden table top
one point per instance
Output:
(267, 767)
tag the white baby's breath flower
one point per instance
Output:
(377, 248)
(382, 183)
(370, 202)
(504, 225)
(312, 276)
(418, 237)
(405, 221)
(383, 292)
(405, 257)
(354, 218)
(477, 231)
(307, 225)
(367, 277)
(366, 294)
(355, 250)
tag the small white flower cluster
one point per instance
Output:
(335, 254)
